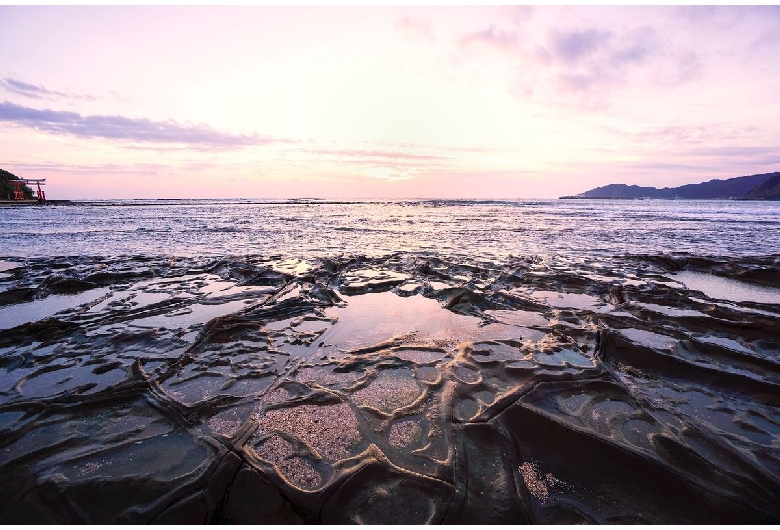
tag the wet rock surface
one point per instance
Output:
(401, 389)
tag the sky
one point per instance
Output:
(385, 102)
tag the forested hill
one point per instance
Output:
(767, 190)
(758, 187)
(7, 189)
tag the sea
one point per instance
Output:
(306, 228)
(390, 362)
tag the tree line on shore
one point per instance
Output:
(7, 188)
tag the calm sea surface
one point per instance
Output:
(487, 229)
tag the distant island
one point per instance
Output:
(753, 187)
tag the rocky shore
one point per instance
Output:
(402, 389)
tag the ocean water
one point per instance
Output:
(311, 228)
(391, 362)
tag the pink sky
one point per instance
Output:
(500, 102)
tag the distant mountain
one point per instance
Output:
(767, 190)
(760, 187)
(7, 189)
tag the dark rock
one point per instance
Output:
(16, 296)
(253, 500)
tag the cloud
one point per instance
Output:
(92, 169)
(21, 88)
(766, 40)
(759, 161)
(735, 151)
(740, 155)
(590, 57)
(415, 28)
(373, 153)
(571, 47)
(585, 66)
(123, 128)
(493, 37)
(387, 173)
(680, 69)
(719, 17)
(582, 65)
(517, 14)
(637, 46)
(689, 134)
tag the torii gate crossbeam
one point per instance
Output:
(19, 193)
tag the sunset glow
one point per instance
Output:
(358, 102)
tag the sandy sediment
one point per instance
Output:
(402, 389)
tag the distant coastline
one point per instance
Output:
(763, 187)
(35, 202)
(578, 197)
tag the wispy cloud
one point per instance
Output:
(720, 17)
(124, 128)
(572, 47)
(493, 37)
(590, 57)
(767, 39)
(729, 151)
(706, 168)
(15, 86)
(416, 28)
(517, 14)
(676, 69)
(389, 173)
(92, 169)
(586, 66)
(677, 135)
(581, 64)
(373, 153)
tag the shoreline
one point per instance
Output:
(35, 202)
(569, 197)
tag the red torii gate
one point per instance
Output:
(19, 194)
